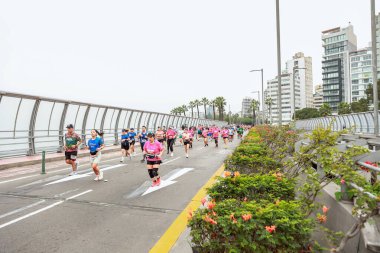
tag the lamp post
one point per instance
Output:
(294, 91)
(279, 61)
(262, 88)
(374, 69)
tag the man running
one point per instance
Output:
(143, 138)
(231, 132)
(153, 151)
(72, 141)
(124, 145)
(186, 141)
(132, 141)
(95, 145)
(171, 135)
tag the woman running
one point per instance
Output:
(191, 131)
(171, 135)
(153, 151)
(124, 145)
(225, 134)
(215, 136)
(160, 135)
(205, 137)
(95, 145)
(143, 138)
(186, 141)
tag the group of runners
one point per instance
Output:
(151, 143)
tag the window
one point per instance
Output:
(355, 82)
(366, 80)
(354, 65)
(355, 87)
(355, 93)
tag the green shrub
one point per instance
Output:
(253, 187)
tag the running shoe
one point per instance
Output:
(158, 181)
(96, 178)
(154, 183)
(71, 173)
(122, 159)
(172, 154)
(100, 175)
(75, 172)
(187, 156)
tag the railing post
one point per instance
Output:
(32, 124)
(116, 134)
(43, 163)
(61, 127)
(84, 125)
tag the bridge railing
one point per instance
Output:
(31, 124)
(359, 122)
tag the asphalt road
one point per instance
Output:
(58, 213)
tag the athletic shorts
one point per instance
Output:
(142, 145)
(132, 143)
(209, 135)
(161, 141)
(96, 158)
(72, 155)
(125, 145)
(225, 137)
(153, 162)
(185, 142)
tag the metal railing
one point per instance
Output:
(31, 124)
(359, 122)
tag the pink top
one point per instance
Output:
(154, 148)
(204, 133)
(170, 134)
(191, 132)
(215, 133)
(225, 133)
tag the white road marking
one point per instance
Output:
(64, 193)
(16, 179)
(170, 161)
(168, 181)
(40, 210)
(21, 209)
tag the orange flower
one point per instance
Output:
(213, 213)
(234, 221)
(342, 181)
(190, 214)
(211, 205)
(236, 174)
(232, 216)
(203, 201)
(210, 220)
(227, 173)
(245, 199)
(246, 217)
(325, 209)
(321, 218)
(270, 229)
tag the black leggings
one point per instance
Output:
(153, 172)
(170, 145)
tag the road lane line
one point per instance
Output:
(21, 209)
(169, 238)
(80, 194)
(170, 161)
(40, 210)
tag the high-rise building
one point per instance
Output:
(337, 44)
(302, 67)
(361, 72)
(378, 44)
(318, 96)
(287, 98)
(246, 107)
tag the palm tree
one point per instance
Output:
(269, 103)
(191, 107)
(255, 106)
(212, 103)
(183, 109)
(205, 102)
(220, 102)
(197, 104)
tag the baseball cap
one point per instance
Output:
(70, 126)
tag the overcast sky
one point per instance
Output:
(158, 54)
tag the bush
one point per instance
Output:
(233, 226)
(253, 187)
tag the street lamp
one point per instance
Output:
(279, 61)
(374, 69)
(262, 87)
(294, 91)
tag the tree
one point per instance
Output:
(197, 104)
(183, 109)
(205, 102)
(220, 103)
(325, 110)
(191, 107)
(269, 103)
(307, 113)
(254, 106)
(344, 108)
(369, 92)
(360, 106)
(212, 103)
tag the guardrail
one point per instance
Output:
(359, 122)
(32, 124)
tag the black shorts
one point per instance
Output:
(161, 140)
(132, 143)
(72, 155)
(153, 162)
(225, 137)
(186, 142)
(125, 145)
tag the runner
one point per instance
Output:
(191, 131)
(72, 141)
(231, 132)
(124, 144)
(240, 132)
(205, 137)
(160, 135)
(143, 138)
(153, 151)
(186, 141)
(210, 131)
(180, 132)
(171, 135)
(225, 133)
(132, 141)
(95, 145)
(215, 136)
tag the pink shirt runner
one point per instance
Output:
(170, 134)
(225, 133)
(154, 148)
(215, 133)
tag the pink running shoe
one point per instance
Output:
(158, 181)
